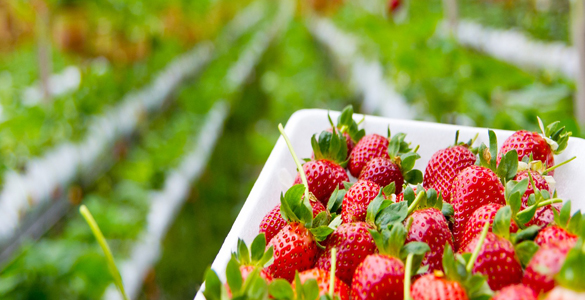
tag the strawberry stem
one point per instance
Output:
(550, 201)
(297, 161)
(456, 138)
(473, 139)
(97, 233)
(558, 165)
(416, 201)
(332, 275)
(407, 270)
(477, 249)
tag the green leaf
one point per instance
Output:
(450, 264)
(528, 233)
(346, 117)
(408, 195)
(311, 289)
(348, 185)
(396, 212)
(316, 148)
(395, 239)
(257, 288)
(483, 152)
(268, 257)
(335, 222)
(243, 255)
(257, 247)
(526, 215)
(234, 276)
(396, 144)
(407, 161)
(565, 214)
(413, 176)
(572, 273)
(525, 250)
(575, 222)
(321, 232)
(447, 210)
(336, 200)
(493, 149)
(321, 219)
(389, 189)
(281, 289)
(377, 205)
(416, 248)
(212, 285)
(378, 238)
(477, 288)
(501, 225)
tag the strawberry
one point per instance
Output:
(571, 276)
(497, 260)
(544, 265)
(554, 140)
(473, 187)
(354, 243)
(381, 276)
(323, 282)
(455, 283)
(395, 167)
(436, 287)
(357, 199)
(273, 222)
(326, 172)
(370, 146)
(564, 229)
(539, 181)
(445, 164)
(476, 222)
(515, 292)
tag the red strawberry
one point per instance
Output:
(472, 188)
(357, 199)
(544, 265)
(486, 213)
(571, 276)
(539, 182)
(515, 292)
(437, 287)
(444, 165)
(295, 249)
(323, 177)
(370, 146)
(323, 281)
(497, 260)
(273, 222)
(532, 144)
(430, 226)
(554, 234)
(353, 243)
(383, 171)
(379, 276)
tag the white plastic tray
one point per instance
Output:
(279, 171)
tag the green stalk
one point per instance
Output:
(297, 161)
(332, 275)
(97, 233)
(416, 201)
(474, 139)
(561, 164)
(475, 253)
(407, 276)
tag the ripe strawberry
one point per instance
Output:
(554, 234)
(543, 216)
(564, 228)
(295, 249)
(515, 292)
(539, 182)
(571, 276)
(430, 226)
(497, 260)
(370, 146)
(383, 171)
(436, 287)
(553, 140)
(357, 199)
(544, 265)
(353, 243)
(473, 187)
(476, 222)
(381, 276)
(323, 177)
(323, 281)
(326, 172)
(445, 164)
(273, 222)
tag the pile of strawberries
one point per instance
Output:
(482, 223)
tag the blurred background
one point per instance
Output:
(159, 115)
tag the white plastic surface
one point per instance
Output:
(279, 171)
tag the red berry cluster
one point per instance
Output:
(484, 223)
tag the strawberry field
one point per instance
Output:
(159, 116)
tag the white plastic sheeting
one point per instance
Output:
(516, 48)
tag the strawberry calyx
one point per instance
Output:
(574, 224)
(404, 157)
(257, 255)
(459, 267)
(346, 124)
(468, 144)
(507, 168)
(331, 146)
(555, 135)
(253, 287)
(572, 273)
